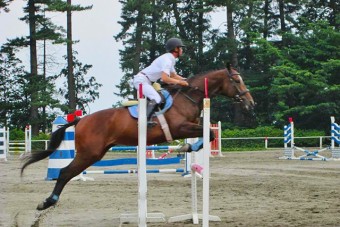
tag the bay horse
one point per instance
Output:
(96, 133)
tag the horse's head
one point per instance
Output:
(235, 88)
(227, 82)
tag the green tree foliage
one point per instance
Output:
(12, 87)
(4, 5)
(306, 85)
(86, 87)
(286, 51)
(24, 91)
(146, 25)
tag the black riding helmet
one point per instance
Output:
(172, 43)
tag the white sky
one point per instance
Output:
(94, 29)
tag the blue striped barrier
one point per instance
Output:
(128, 171)
(64, 155)
(335, 133)
(287, 133)
(133, 161)
(134, 148)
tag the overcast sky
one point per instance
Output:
(95, 29)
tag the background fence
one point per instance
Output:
(245, 143)
(258, 143)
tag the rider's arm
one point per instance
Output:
(169, 80)
(176, 76)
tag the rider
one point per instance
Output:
(162, 68)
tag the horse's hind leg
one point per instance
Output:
(77, 166)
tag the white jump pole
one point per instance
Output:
(141, 161)
(205, 216)
(206, 157)
(142, 215)
(206, 160)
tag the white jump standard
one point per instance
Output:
(205, 216)
(142, 217)
(3, 144)
(290, 148)
(335, 139)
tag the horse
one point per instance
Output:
(96, 133)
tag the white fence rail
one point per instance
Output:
(266, 140)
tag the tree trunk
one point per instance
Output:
(44, 123)
(282, 16)
(247, 42)
(155, 18)
(178, 21)
(34, 68)
(200, 56)
(231, 35)
(70, 77)
(334, 13)
(265, 19)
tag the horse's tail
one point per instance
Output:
(55, 141)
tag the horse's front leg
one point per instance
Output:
(191, 130)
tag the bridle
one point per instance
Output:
(230, 74)
(240, 93)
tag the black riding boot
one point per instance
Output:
(151, 106)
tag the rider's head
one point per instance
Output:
(174, 45)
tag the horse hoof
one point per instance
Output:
(185, 148)
(46, 204)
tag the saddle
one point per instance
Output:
(132, 105)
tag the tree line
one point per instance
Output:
(286, 50)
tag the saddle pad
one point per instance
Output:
(168, 103)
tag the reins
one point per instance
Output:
(230, 74)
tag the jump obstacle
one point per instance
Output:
(290, 148)
(143, 216)
(18, 147)
(3, 144)
(216, 144)
(66, 152)
(335, 139)
(201, 171)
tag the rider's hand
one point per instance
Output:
(183, 83)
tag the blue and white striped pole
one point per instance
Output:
(63, 156)
(335, 139)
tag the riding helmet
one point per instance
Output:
(172, 43)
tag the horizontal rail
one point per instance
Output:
(266, 139)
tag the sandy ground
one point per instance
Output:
(246, 189)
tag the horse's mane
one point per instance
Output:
(204, 73)
(172, 88)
